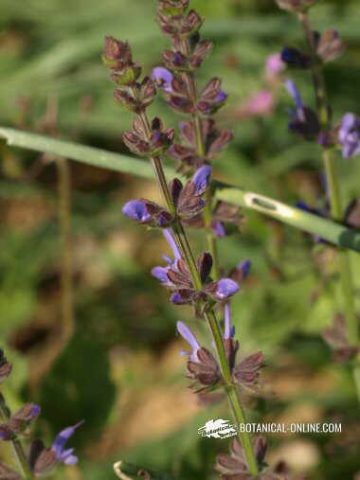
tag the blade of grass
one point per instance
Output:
(328, 230)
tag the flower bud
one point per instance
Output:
(349, 135)
(330, 46)
(5, 367)
(116, 54)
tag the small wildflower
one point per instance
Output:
(218, 229)
(63, 455)
(295, 58)
(303, 120)
(260, 104)
(225, 288)
(201, 179)
(148, 213)
(190, 338)
(274, 66)
(162, 78)
(349, 135)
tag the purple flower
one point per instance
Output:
(274, 65)
(229, 329)
(201, 179)
(65, 455)
(137, 210)
(349, 135)
(171, 241)
(225, 288)
(295, 94)
(218, 229)
(220, 97)
(244, 268)
(304, 120)
(190, 338)
(294, 58)
(160, 273)
(163, 78)
(258, 105)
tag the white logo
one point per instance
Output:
(219, 428)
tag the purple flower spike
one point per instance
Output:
(349, 135)
(190, 338)
(136, 210)
(62, 455)
(171, 241)
(294, 93)
(163, 78)
(201, 179)
(225, 288)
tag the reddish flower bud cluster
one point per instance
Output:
(148, 143)
(187, 54)
(337, 339)
(130, 92)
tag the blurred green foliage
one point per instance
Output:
(52, 49)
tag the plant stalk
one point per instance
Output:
(184, 245)
(334, 193)
(200, 150)
(16, 444)
(64, 215)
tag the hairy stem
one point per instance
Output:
(200, 150)
(185, 248)
(16, 443)
(231, 391)
(334, 192)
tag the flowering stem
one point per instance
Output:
(16, 444)
(231, 391)
(200, 150)
(334, 192)
(185, 248)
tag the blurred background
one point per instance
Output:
(89, 331)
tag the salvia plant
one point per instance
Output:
(34, 460)
(217, 369)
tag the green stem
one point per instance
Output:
(64, 214)
(200, 150)
(346, 281)
(334, 192)
(16, 444)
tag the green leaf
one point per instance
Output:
(332, 232)
(326, 229)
